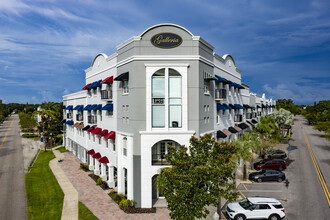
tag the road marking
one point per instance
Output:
(260, 190)
(244, 186)
(242, 194)
(3, 140)
(319, 173)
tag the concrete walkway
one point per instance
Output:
(70, 203)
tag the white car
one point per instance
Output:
(256, 208)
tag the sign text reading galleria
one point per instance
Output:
(166, 40)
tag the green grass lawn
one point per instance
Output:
(44, 194)
(85, 213)
(62, 149)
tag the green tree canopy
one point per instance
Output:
(198, 177)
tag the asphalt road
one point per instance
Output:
(306, 198)
(12, 186)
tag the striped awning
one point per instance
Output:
(209, 76)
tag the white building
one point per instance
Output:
(159, 88)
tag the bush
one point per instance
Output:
(126, 203)
(84, 167)
(35, 136)
(99, 181)
(117, 197)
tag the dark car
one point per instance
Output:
(267, 175)
(275, 164)
(256, 164)
(276, 154)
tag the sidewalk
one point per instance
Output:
(70, 202)
(96, 199)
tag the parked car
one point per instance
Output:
(275, 164)
(255, 165)
(267, 175)
(256, 208)
(276, 154)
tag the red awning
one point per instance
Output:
(85, 87)
(91, 152)
(110, 135)
(104, 160)
(96, 131)
(108, 80)
(103, 133)
(90, 129)
(97, 156)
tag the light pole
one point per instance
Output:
(51, 142)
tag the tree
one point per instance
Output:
(198, 177)
(282, 117)
(46, 117)
(26, 121)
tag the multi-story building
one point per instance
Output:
(158, 89)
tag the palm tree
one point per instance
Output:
(46, 117)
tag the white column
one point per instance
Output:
(97, 168)
(130, 183)
(103, 172)
(111, 181)
(91, 163)
(120, 180)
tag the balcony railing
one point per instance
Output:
(259, 113)
(254, 115)
(106, 94)
(220, 94)
(92, 119)
(69, 115)
(159, 159)
(238, 118)
(248, 115)
(79, 117)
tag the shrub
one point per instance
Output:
(112, 191)
(99, 181)
(30, 136)
(84, 167)
(126, 203)
(117, 197)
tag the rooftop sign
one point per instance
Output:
(166, 40)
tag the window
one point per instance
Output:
(126, 108)
(106, 143)
(93, 138)
(110, 113)
(113, 145)
(123, 119)
(123, 108)
(125, 146)
(205, 120)
(208, 108)
(99, 140)
(204, 108)
(125, 86)
(170, 100)
(127, 120)
(100, 113)
(208, 120)
(206, 87)
(218, 118)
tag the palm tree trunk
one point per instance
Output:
(43, 132)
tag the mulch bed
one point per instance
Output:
(94, 177)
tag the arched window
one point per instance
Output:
(166, 98)
(125, 146)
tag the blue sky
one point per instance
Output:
(282, 47)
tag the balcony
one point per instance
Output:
(69, 116)
(79, 117)
(238, 118)
(159, 159)
(248, 115)
(220, 94)
(106, 94)
(92, 119)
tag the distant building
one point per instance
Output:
(158, 89)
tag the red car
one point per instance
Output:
(276, 164)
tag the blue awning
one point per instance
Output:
(87, 108)
(92, 107)
(91, 85)
(70, 122)
(220, 79)
(79, 108)
(238, 106)
(238, 86)
(98, 84)
(97, 107)
(221, 107)
(108, 107)
(227, 106)
(70, 107)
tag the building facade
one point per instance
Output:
(158, 89)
